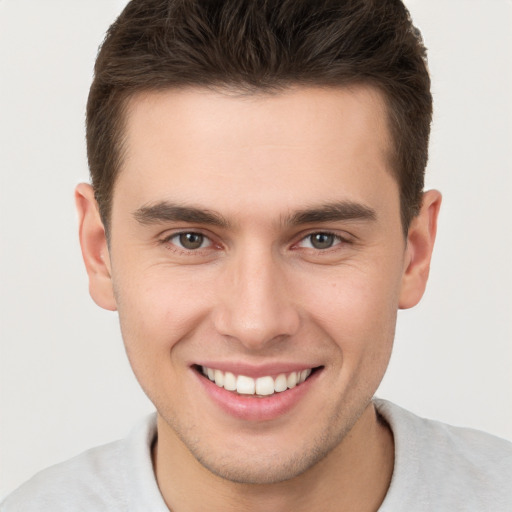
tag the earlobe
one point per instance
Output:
(420, 244)
(94, 246)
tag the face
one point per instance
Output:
(257, 261)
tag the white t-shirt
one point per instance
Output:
(437, 468)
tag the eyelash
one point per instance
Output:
(176, 247)
(338, 240)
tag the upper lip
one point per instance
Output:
(255, 371)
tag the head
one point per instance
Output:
(256, 167)
(256, 47)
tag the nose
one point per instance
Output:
(255, 307)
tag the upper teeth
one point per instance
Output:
(261, 386)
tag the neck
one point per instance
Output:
(354, 476)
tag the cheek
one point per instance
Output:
(157, 310)
(357, 309)
(157, 313)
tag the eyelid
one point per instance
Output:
(205, 241)
(341, 239)
(167, 237)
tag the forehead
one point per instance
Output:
(223, 149)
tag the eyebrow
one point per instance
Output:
(332, 212)
(168, 212)
(164, 211)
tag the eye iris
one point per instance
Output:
(191, 240)
(322, 240)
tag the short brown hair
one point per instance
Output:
(263, 45)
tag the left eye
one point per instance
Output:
(190, 241)
(320, 241)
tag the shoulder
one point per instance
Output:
(94, 476)
(439, 465)
(100, 479)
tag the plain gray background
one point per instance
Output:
(65, 382)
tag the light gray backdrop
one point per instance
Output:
(65, 383)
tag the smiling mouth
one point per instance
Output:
(262, 386)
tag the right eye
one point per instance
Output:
(189, 240)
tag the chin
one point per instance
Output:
(266, 467)
(257, 472)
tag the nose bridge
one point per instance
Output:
(256, 307)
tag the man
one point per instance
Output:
(257, 217)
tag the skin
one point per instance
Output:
(258, 291)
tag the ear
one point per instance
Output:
(420, 244)
(94, 247)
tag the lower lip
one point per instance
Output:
(255, 408)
